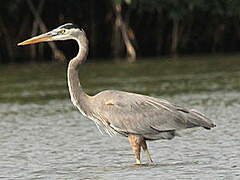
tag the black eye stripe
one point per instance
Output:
(70, 26)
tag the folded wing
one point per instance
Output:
(131, 113)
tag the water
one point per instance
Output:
(42, 136)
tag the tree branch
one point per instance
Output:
(56, 52)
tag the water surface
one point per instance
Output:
(42, 136)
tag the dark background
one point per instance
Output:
(153, 27)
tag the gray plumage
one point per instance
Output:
(135, 116)
(153, 118)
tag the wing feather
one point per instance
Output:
(138, 114)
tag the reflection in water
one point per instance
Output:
(44, 137)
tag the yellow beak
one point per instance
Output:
(37, 39)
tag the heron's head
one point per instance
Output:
(64, 32)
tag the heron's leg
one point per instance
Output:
(145, 149)
(136, 148)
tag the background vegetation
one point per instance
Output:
(121, 28)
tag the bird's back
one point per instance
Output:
(154, 118)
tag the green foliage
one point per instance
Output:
(128, 2)
(233, 8)
(203, 24)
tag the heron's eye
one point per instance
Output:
(62, 31)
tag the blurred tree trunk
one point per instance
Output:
(175, 37)
(121, 33)
(117, 44)
(159, 35)
(92, 27)
(217, 36)
(33, 51)
(185, 32)
(57, 54)
(24, 25)
(8, 40)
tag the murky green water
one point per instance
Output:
(43, 137)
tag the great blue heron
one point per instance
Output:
(135, 116)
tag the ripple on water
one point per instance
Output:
(49, 139)
(54, 141)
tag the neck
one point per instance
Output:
(78, 97)
(82, 52)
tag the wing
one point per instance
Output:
(138, 114)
